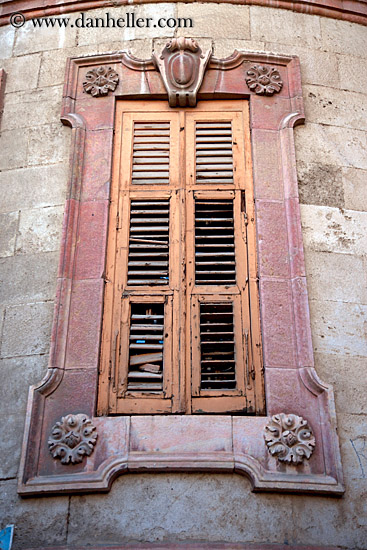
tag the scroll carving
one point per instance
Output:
(72, 438)
(182, 66)
(99, 81)
(289, 438)
(264, 80)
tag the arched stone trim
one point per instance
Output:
(181, 443)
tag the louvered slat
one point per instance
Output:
(149, 243)
(145, 372)
(214, 243)
(151, 151)
(214, 156)
(217, 347)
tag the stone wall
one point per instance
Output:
(332, 167)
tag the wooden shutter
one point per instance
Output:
(181, 329)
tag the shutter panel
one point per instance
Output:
(214, 243)
(214, 155)
(151, 152)
(148, 243)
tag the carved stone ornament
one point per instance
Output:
(264, 80)
(100, 80)
(182, 66)
(72, 438)
(289, 438)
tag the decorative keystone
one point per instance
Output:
(72, 438)
(100, 80)
(289, 438)
(264, 80)
(182, 65)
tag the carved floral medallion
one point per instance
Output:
(100, 80)
(289, 438)
(72, 438)
(264, 80)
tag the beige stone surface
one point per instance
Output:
(283, 27)
(324, 105)
(332, 144)
(210, 20)
(26, 329)
(8, 233)
(343, 37)
(13, 147)
(348, 376)
(355, 188)
(53, 64)
(224, 48)
(7, 35)
(336, 277)
(339, 328)
(39, 230)
(35, 186)
(22, 72)
(48, 144)
(351, 73)
(320, 184)
(334, 230)
(29, 109)
(31, 39)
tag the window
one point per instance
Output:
(181, 316)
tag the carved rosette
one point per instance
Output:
(182, 66)
(100, 80)
(289, 438)
(264, 80)
(72, 438)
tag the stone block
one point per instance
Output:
(268, 176)
(334, 230)
(272, 243)
(335, 145)
(317, 67)
(343, 37)
(180, 507)
(27, 329)
(355, 188)
(48, 144)
(336, 277)
(224, 48)
(33, 187)
(142, 48)
(320, 184)
(53, 63)
(336, 107)
(212, 21)
(22, 72)
(39, 230)
(13, 147)
(348, 377)
(338, 328)
(10, 446)
(7, 35)
(8, 224)
(32, 39)
(27, 109)
(351, 71)
(39, 522)
(284, 27)
(16, 375)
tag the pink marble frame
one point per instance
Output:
(219, 443)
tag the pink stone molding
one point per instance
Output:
(354, 11)
(215, 443)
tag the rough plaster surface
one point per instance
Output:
(332, 168)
